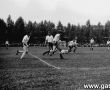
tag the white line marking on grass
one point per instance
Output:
(45, 61)
(65, 68)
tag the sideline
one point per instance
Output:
(50, 65)
(65, 68)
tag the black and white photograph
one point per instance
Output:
(54, 44)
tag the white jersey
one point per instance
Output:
(7, 42)
(71, 43)
(108, 42)
(92, 41)
(56, 38)
(49, 38)
(25, 39)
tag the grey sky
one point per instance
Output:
(73, 11)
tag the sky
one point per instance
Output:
(66, 11)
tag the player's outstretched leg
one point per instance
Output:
(47, 52)
(70, 48)
(53, 50)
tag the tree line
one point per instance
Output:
(14, 31)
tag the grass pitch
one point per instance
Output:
(84, 67)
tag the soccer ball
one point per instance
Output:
(51, 51)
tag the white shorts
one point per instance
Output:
(25, 48)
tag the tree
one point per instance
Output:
(69, 31)
(2, 31)
(107, 29)
(60, 26)
(29, 27)
(20, 29)
(99, 34)
(88, 30)
(10, 29)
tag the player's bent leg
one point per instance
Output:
(6, 46)
(70, 49)
(53, 50)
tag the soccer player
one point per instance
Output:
(49, 41)
(25, 46)
(7, 44)
(56, 45)
(91, 43)
(71, 44)
(108, 44)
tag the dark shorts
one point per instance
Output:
(70, 47)
(91, 44)
(50, 44)
(6, 44)
(55, 43)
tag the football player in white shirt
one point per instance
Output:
(108, 44)
(25, 46)
(7, 44)
(49, 41)
(71, 44)
(56, 45)
(91, 43)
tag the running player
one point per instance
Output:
(49, 41)
(7, 44)
(56, 45)
(25, 46)
(108, 44)
(91, 44)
